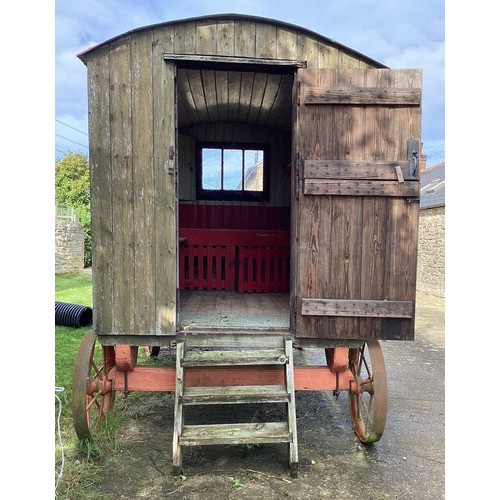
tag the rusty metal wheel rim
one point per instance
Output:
(369, 401)
(92, 394)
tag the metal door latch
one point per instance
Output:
(413, 157)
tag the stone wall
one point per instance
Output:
(431, 252)
(69, 247)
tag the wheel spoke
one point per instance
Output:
(98, 371)
(368, 418)
(367, 368)
(91, 403)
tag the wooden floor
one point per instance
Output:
(201, 309)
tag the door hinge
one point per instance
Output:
(297, 95)
(299, 165)
(412, 200)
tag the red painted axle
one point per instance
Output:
(147, 379)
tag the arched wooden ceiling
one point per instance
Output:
(251, 97)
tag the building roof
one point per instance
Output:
(432, 184)
(239, 17)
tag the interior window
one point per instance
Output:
(232, 171)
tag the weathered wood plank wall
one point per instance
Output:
(369, 228)
(133, 154)
(101, 190)
(122, 199)
(143, 184)
(165, 188)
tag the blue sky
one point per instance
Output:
(398, 33)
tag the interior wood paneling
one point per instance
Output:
(257, 98)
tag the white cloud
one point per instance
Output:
(397, 33)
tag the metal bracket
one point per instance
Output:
(399, 174)
(414, 157)
(412, 200)
(299, 174)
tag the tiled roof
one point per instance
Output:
(432, 186)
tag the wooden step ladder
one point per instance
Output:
(208, 351)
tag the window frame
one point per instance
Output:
(228, 194)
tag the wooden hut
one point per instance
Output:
(250, 175)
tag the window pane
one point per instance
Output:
(233, 166)
(254, 170)
(211, 178)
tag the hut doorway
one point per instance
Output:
(234, 185)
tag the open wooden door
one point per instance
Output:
(355, 212)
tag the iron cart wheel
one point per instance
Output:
(93, 396)
(368, 398)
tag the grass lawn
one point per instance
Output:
(77, 476)
(74, 289)
(82, 471)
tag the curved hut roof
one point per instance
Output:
(238, 18)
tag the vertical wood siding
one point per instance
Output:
(165, 195)
(132, 137)
(144, 183)
(122, 196)
(356, 247)
(101, 188)
(256, 39)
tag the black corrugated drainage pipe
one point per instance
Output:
(73, 315)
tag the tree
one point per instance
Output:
(72, 177)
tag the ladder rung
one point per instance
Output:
(234, 357)
(220, 434)
(205, 352)
(235, 395)
(260, 341)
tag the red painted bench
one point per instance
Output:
(242, 260)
